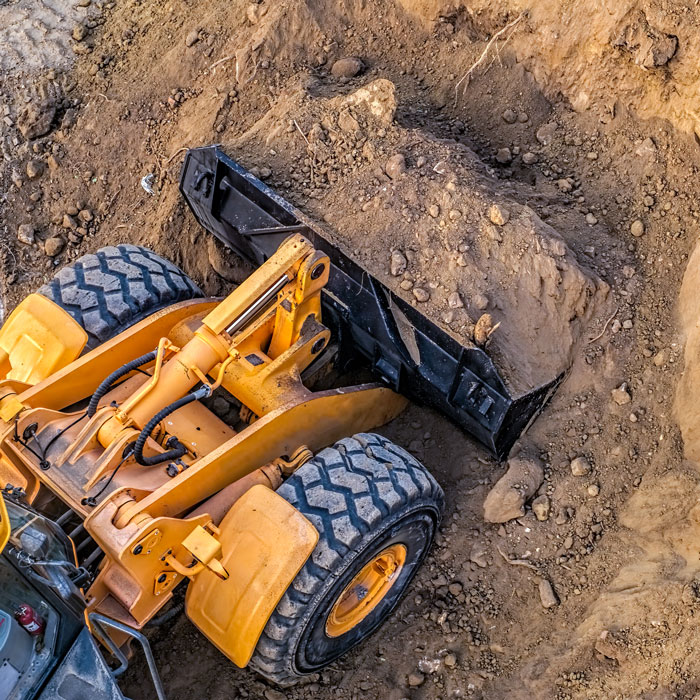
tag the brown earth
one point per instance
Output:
(596, 103)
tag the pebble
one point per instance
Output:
(455, 588)
(421, 294)
(637, 228)
(69, 222)
(660, 358)
(621, 395)
(509, 116)
(548, 597)
(504, 156)
(80, 31)
(580, 466)
(523, 117)
(54, 246)
(454, 301)
(85, 215)
(26, 234)
(541, 507)
(590, 219)
(506, 500)
(499, 215)
(192, 38)
(272, 694)
(415, 679)
(34, 169)
(347, 67)
(545, 134)
(480, 301)
(593, 490)
(455, 214)
(398, 263)
(529, 158)
(434, 211)
(450, 661)
(395, 166)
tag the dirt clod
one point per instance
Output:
(506, 500)
(347, 67)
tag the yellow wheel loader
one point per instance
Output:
(295, 530)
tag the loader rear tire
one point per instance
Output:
(108, 291)
(377, 510)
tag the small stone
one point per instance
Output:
(523, 117)
(450, 661)
(434, 211)
(633, 418)
(85, 215)
(506, 500)
(454, 301)
(54, 246)
(621, 395)
(660, 358)
(637, 228)
(347, 67)
(273, 694)
(398, 263)
(593, 490)
(80, 31)
(509, 116)
(628, 271)
(421, 161)
(455, 588)
(26, 234)
(478, 555)
(529, 158)
(192, 38)
(504, 156)
(480, 301)
(541, 507)
(483, 329)
(455, 214)
(395, 166)
(69, 222)
(649, 201)
(421, 294)
(580, 466)
(590, 219)
(406, 285)
(499, 215)
(564, 185)
(548, 597)
(34, 169)
(545, 134)
(415, 679)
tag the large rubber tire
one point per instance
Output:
(108, 291)
(362, 495)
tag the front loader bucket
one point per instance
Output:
(414, 356)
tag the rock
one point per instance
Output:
(36, 119)
(395, 166)
(454, 301)
(434, 211)
(548, 597)
(455, 588)
(398, 263)
(637, 228)
(347, 122)
(69, 222)
(580, 466)
(648, 46)
(529, 158)
(421, 294)
(545, 134)
(274, 694)
(591, 219)
(415, 679)
(192, 38)
(504, 156)
(478, 555)
(660, 358)
(480, 301)
(80, 31)
(499, 215)
(593, 490)
(54, 246)
(483, 329)
(347, 67)
(85, 215)
(509, 116)
(35, 168)
(506, 500)
(450, 661)
(541, 507)
(26, 234)
(53, 163)
(621, 395)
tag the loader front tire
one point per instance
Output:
(377, 510)
(108, 291)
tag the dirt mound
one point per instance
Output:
(429, 219)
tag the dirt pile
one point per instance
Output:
(429, 219)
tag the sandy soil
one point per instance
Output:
(402, 160)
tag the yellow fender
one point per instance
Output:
(265, 541)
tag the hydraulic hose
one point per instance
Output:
(178, 450)
(106, 385)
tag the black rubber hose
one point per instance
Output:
(179, 449)
(106, 385)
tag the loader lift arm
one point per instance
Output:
(403, 347)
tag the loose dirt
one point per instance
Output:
(555, 188)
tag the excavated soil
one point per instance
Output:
(534, 162)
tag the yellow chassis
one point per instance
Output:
(218, 521)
